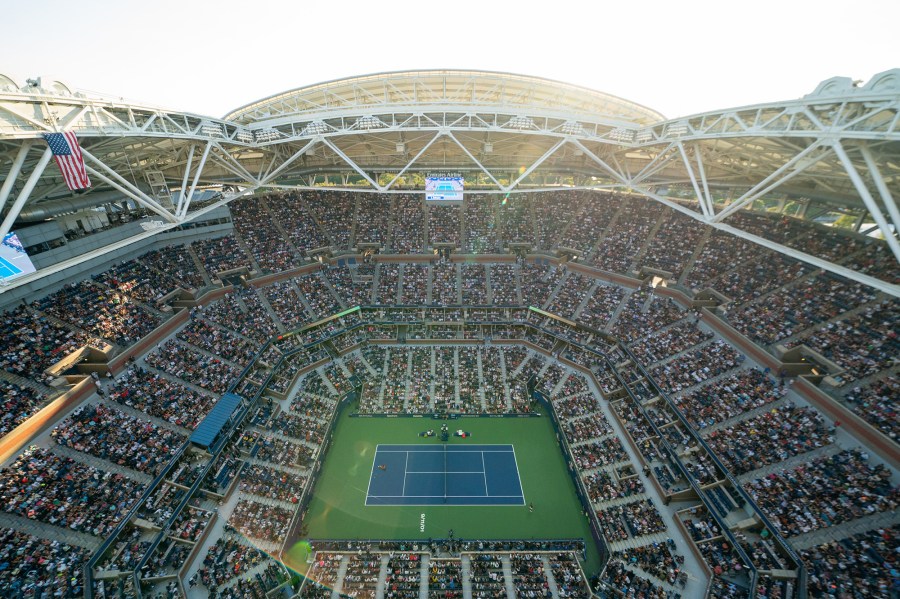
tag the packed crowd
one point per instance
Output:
(877, 403)
(824, 492)
(630, 520)
(204, 371)
(110, 315)
(34, 567)
(32, 342)
(772, 437)
(219, 342)
(115, 436)
(17, 405)
(863, 344)
(260, 521)
(697, 366)
(659, 345)
(729, 397)
(864, 565)
(158, 396)
(41, 485)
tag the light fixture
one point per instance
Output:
(315, 128)
(623, 135)
(644, 135)
(210, 129)
(572, 128)
(520, 122)
(369, 122)
(264, 135)
(244, 135)
(676, 129)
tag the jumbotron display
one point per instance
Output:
(444, 188)
(14, 260)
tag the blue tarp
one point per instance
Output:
(209, 428)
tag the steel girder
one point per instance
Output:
(842, 150)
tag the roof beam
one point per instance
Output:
(867, 199)
(352, 164)
(13, 173)
(883, 190)
(25, 193)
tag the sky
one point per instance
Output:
(676, 57)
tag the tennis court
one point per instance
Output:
(444, 475)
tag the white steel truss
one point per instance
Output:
(836, 149)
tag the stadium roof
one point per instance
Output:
(836, 150)
(450, 87)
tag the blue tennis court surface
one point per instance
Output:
(445, 475)
(8, 269)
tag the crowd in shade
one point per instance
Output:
(863, 344)
(877, 403)
(262, 236)
(219, 342)
(770, 438)
(729, 397)
(443, 225)
(824, 492)
(180, 361)
(34, 567)
(18, 404)
(43, 486)
(656, 559)
(158, 396)
(228, 558)
(863, 565)
(220, 254)
(627, 583)
(122, 439)
(403, 576)
(645, 311)
(797, 308)
(481, 226)
(32, 342)
(260, 521)
(529, 576)
(659, 345)
(630, 520)
(697, 366)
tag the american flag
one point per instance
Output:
(68, 156)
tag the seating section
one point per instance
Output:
(119, 438)
(86, 477)
(43, 486)
(109, 315)
(19, 403)
(37, 567)
(825, 492)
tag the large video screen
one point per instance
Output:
(14, 262)
(444, 188)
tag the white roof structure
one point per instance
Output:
(834, 150)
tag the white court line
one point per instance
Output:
(405, 473)
(372, 475)
(444, 472)
(407, 451)
(441, 496)
(484, 475)
(517, 475)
